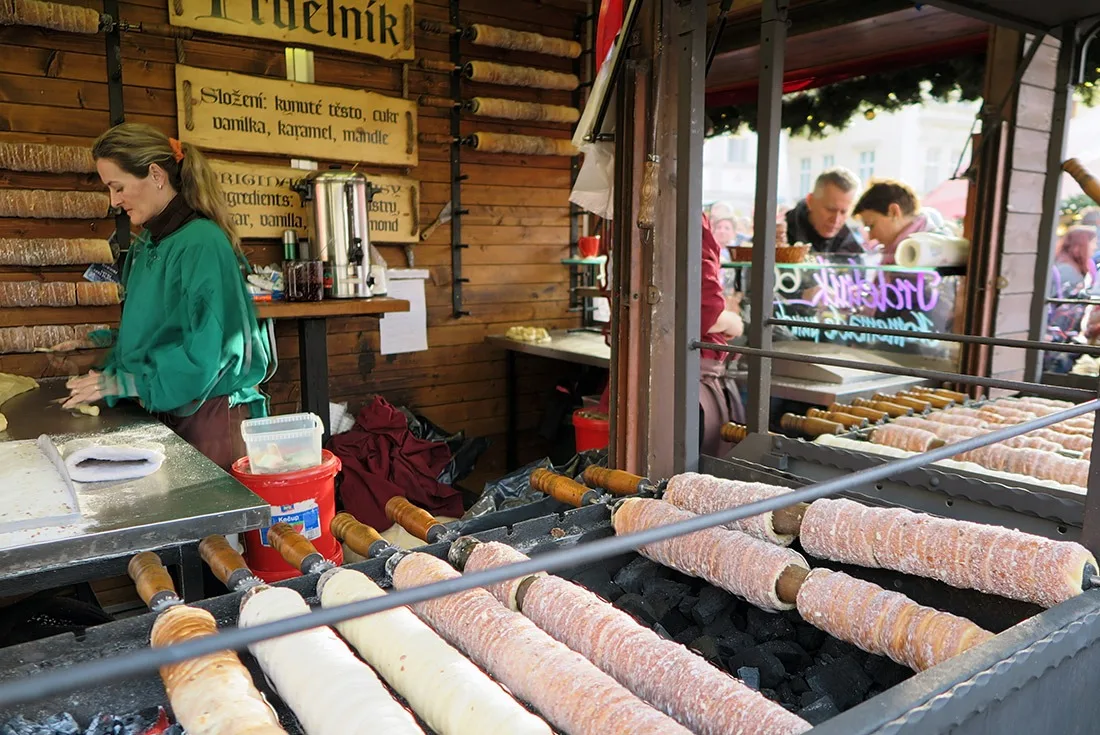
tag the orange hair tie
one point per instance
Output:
(177, 149)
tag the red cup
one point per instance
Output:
(589, 246)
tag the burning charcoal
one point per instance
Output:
(631, 577)
(798, 685)
(820, 711)
(675, 623)
(663, 595)
(62, 724)
(687, 635)
(706, 647)
(835, 649)
(599, 581)
(687, 604)
(130, 725)
(712, 601)
(885, 672)
(722, 625)
(843, 680)
(771, 668)
(733, 642)
(749, 676)
(637, 606)
(786, 696)
(809, 637)
(765, 626)
(790, 653)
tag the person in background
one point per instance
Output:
(189, 347)
(891, 212)
(821, 219)
(723, 225)
(1074, 272)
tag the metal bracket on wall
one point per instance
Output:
(457, 279)
(116, 109)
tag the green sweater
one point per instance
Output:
(189, 330)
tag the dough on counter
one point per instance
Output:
(100, 460)
(86, 409)
(537, 335)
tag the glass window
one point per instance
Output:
(866, 165)
(804, 171)
(828, 162)
(933, 173)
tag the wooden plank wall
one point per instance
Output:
(518, 228)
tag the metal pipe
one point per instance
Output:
(1048, 223)
(617, 59)
(1012, 385)
(773, 42)
(1023, 344)
(149, 660)
(1090, 524)
(712, 51)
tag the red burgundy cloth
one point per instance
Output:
(383, 459)
(713, 298)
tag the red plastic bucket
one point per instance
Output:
(591, 432)
(305, 499)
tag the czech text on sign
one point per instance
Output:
(382, 29)
(263, 204)
(235, 112)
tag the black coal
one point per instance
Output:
(154, 722)
(788, 660)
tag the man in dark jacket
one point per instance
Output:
(821, 219)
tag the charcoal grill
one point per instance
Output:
(1044, 668)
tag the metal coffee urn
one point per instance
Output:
(337, 203)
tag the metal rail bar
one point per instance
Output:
(148, 660)
(1024, 344)
(617, 59)
(1070, 394)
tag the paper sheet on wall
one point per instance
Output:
(405, 331)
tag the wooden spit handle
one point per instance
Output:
(616, 482)
(435, 139)
(916, 404)
(938, 402)
(295, 548)
(844, 419)
(809, 426)
(417, 521)
(445, 67)
(359, 537)
(789, 583)
(154, 583)
(427, 100)
(227, 565)
(734, 433)
(561, 488)
(870, 414)
(960, 398)
(1084, 179)
(893, 410)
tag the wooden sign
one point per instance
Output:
(263, 204)
(224, 111)
(384, 29)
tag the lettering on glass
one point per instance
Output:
(235, 112)
(378, 28)
(263, 203)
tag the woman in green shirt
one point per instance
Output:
(189, 348)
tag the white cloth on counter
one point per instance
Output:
(102, 460)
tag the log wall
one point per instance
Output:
(53, 89)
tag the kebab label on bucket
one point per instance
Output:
(384, 29)
(264, 205)
(221, 110)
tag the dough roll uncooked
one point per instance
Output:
(46, 157)
(41, 251)
(883, 622)
(329, 689)
(55, 16)
(484, 35)
(214, 694)
(515, 110)
(519, 76)
(703, 494)
(43, 204)
(530, 145)
(675, 680)
(447, 691)
(565, 687)
(991, 559)
(736, 562)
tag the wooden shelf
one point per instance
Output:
(330, 307)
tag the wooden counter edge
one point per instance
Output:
(330, 307)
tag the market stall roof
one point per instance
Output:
(1025, 14)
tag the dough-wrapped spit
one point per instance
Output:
(46, 251)
(43, 204)
(565, 687)
(530, 145)
(703, 494)
(519, 76)
(515, 110)
(736, 562)
(883, 622)
(990, 559)
(98, 293)
(506, 38)
(55, 16)
(46, 157)
(663, 672)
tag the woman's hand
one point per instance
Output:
(729, 325)
(85, 389)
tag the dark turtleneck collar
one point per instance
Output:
(171, 218)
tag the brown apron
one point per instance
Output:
(719, 403)
(214, 430)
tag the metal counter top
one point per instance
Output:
(187, 499)
(582, 348)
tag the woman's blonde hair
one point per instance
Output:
(135, 147)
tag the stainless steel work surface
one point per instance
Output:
(823, 394)
(582, 348)
(188, 498)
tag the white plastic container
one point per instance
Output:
(283, 443)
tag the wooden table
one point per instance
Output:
(312, 317)
(578, 347)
